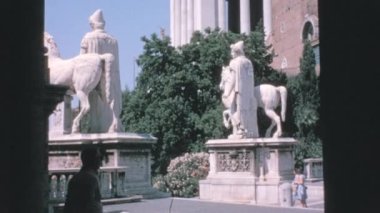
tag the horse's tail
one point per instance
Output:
(283, 95)
(108, 60)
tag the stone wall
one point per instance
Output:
(288, 18)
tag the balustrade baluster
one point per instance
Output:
(62, 186)
(53, 187)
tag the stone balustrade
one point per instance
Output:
(111, 182)
(313, 169)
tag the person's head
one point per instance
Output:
(96, 20)
(237, 49)
(298, 170)
(91, 158)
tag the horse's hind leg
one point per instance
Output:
(269, 130)
(275, 119)
(85, 107)
(115, 125)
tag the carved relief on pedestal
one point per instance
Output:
(233, 161)
(65, 161)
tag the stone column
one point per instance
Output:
(221, 14)
(267, 10)
(245, 17)
(197, 14)
(183, 22)
(23, 179)
(190, 19)
(172, 21)
(177, 23)
(27, 100)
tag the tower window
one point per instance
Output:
(308, 31)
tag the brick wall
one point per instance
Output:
(288, 18)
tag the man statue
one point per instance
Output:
(105, 101)
(244, 108)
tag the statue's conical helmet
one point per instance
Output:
(238, 46)
(97, 18)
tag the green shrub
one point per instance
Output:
(184, 173)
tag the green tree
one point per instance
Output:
(177, 98)
(261, 56)
(304, 92)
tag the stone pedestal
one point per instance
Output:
(127, 171)
(60, 121)
(248, 170)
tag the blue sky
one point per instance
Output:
(126, 20)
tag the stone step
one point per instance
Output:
(315, 192)
(129, 199)
(58, 207)
(148, 192)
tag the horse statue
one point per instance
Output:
(81, 74)
(268, 97)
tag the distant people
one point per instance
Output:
(83, 192)
(299, 188)
(244, 109)
(105, 101)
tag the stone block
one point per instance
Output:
(248, 170)
(128, 165)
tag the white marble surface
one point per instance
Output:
(251, 142)
(268, 97)
(106, 101)
(103, 137)
(248, 170)
(187, 16)
(243, 107)
(81, 74)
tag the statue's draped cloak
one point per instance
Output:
(109, 90)
(245, 113)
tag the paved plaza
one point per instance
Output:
(194, 205)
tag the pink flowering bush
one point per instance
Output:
(184, 173)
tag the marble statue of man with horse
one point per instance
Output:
(104, 114)
(81, 74)
(93, 77)
(241, 98)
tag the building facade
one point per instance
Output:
(286, 24)
(292, 22)
(187, 16)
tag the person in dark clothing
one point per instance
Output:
(83, 193)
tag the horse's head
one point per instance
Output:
(51, 46)
(225, 76)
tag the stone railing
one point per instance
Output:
(313, 169)
(111, 182)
